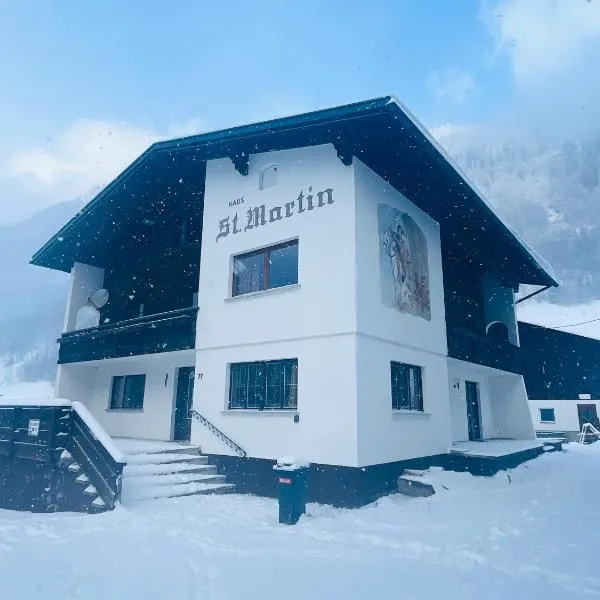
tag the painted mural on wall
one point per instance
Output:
(403, 263)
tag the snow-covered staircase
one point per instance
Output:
(167, 471)
(80, 484)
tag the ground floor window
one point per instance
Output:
(407, 387)
(264, 385)
(547, 415)
(127, 392)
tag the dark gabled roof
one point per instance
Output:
(380, 132)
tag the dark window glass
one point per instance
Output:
(407, 387)
(547, 415)
(238, 393)
(248, 273)
(264, 385)
(264, 269)
(283, 265)
(257, 378)
(128, 392)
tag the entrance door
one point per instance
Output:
(473, 410)
(587, 414)
(183, 404)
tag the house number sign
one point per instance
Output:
(33, 429)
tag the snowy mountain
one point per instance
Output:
(549, 191)
(31, 299)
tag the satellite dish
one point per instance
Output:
(99, 298)
(89, 315)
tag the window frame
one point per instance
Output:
(266, 267)
(127, 380)
(542, 420)
(416, 397)
(248, 391)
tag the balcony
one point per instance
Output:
(471, 346)
(164, 332)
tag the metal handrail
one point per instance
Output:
(216, 431)
(131, 323)
(588, 429)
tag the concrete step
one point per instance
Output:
(175, 491)
(98, 503)
(90, 490)
(168, 448)
(166, 457)
(150, 481)
(134, 471)
(168, 471)
(415, 486)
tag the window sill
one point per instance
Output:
(277, 290)
(269, 412)
(125, 410)
(548, 422)
(413, 413)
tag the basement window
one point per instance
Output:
(407, 387)
(127, 392)
(547, 415)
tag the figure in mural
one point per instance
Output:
(404, 263)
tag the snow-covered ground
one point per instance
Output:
(28, 389)
(533, 535)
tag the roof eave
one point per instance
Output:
(315, 118)
(362, 109)
(546, 277)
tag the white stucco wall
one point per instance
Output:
(385, 335)
(510, 408)
(326, 431)
(84, 281)
(503, 401)
(565, 414)
(374, 318)
(91, 383)
(386, 435)
(313, 321)
(458, 373)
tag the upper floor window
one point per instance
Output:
(127, 392)
(272, 267)
(264, 385)
(407, 387)
(547, 415)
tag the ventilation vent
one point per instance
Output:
(267, 177)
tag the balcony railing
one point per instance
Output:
(150, 334)
(471, 346)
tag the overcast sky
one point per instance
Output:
(86, 86)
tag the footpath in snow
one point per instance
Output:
(530, 535)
